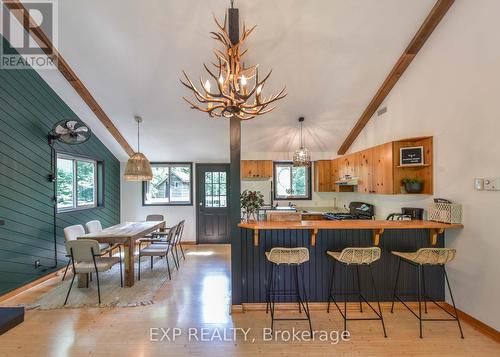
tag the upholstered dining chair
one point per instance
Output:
(71, 233)
(160, 249)
(86, 258)
(96, 227)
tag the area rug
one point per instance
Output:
(112, 295)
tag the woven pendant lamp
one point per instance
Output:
(138, 167)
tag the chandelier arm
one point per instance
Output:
(223, 28)
(219, 37)
(199, 96)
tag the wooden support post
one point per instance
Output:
(314, 234)
(256, 237)
(435, 232)
(376, 236)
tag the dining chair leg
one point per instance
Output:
(151, 263)
(177, 255)
(182, 251)
(168, 267)
(66, 270)
(173, 258)
(69, 290)
(98, 287)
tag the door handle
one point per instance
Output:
(201, 204)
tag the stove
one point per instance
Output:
(357, 210)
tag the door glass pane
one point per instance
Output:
(215, 189)
(216, 177)
(85, 175)
(208, 177)
(65, 178)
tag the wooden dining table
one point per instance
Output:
(126, 233)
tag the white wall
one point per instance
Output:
(133, 210)
(452, 91)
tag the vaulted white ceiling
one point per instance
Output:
(332, 55)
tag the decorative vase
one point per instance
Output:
(414, 187)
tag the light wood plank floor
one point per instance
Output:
(199, 297)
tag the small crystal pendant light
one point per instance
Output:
(302, 156)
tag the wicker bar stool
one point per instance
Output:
(293, 258)
(355, 257)
(420, 258)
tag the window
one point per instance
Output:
(76, 183)
(291, 183)
(171, 185)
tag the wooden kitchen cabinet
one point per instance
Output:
(349, 165)
(383, 167)
(366, 182)
(256, 169)
(323, 176)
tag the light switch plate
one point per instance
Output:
(492, 183)
(479, 184)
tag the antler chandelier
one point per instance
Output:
(233, 89)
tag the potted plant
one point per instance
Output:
(251, 202)
(413, 185)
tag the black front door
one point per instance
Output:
(212, 199)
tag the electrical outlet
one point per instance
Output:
(37, 264)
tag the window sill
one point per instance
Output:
(167, 204)
(70, 210)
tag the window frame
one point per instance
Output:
(146, 183)
(96, 189)
(292, 198)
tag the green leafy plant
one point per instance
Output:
(251, 201)
(408, 180)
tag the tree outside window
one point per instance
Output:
(76, 183)
(291, 182)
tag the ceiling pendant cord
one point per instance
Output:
(232, 4)
(301, 121)
(138, 119)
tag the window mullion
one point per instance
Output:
(75, 186)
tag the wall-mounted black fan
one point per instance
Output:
(70, 132)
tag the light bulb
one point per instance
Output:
(207, 85)
(259, 89)
(243, 80)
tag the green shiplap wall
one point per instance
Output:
(28, 110)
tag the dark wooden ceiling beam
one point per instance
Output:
(48, 47)
(433, 19)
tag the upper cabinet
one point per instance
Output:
(324, 176)
(256, 169)
(366, 177)
(378, 169)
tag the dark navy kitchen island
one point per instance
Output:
(320, 236)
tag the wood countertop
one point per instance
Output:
(349, 224)
(377, 226)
